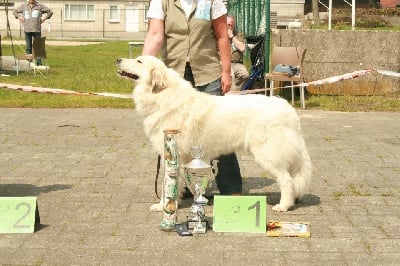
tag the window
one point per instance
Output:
(114, 13)
(79, 12)
(7, 4)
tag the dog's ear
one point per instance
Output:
(159, 79)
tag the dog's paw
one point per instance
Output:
(280, 208)
(156, 207)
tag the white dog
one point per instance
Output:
(266, 127)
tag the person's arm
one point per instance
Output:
(154, 38)
(241, 46)
(47, 11)
(221, 32)
(18, 14)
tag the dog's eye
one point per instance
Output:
(139, 61)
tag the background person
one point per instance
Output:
(30, 15)
(206, 62)
(238, 46)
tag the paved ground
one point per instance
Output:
(92, 171)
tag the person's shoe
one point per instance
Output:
(38, 62)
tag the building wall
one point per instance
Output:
(100, 27)
(390, 3)
(288, 8)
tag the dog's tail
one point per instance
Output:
(302, 178)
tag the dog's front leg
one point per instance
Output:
(157, 207)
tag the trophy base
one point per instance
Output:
(167, 226)
(196, 226)
(199, 230)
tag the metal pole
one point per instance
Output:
(353, 14)
(258, 17)
(253, 17)
(267, 36)
(104, 23)
(61, 23)
(238, 7)
(245, 15)
(330, 15)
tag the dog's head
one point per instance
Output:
(148, 71)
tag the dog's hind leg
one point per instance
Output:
(302, 177)
(276, 157)
(285, 183)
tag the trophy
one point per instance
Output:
(198, 175)
(170, 184)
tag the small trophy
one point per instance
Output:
(198, 175)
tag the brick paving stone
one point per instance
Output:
(92, 171)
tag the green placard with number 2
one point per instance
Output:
(240, 214)
(18, 214)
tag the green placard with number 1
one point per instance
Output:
(240, 214)
(18, 214)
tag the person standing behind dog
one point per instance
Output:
(238, 46)
(30, 15)
(193, 38)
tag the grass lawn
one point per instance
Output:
(86, 68)
(92, 68)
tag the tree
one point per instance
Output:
(315, 12)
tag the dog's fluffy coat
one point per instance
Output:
(266, 127)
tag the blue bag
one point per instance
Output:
(288, 70)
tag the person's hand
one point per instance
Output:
(22, 19)
(42, 20)
(230, 33)
(226, 82)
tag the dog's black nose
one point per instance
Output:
(119, 60)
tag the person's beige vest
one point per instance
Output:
(194, 39)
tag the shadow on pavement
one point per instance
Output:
(22, 190)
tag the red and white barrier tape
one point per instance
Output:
(333, 79)
(62, 91)
(388, 73)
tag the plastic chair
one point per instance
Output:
(291, 56)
